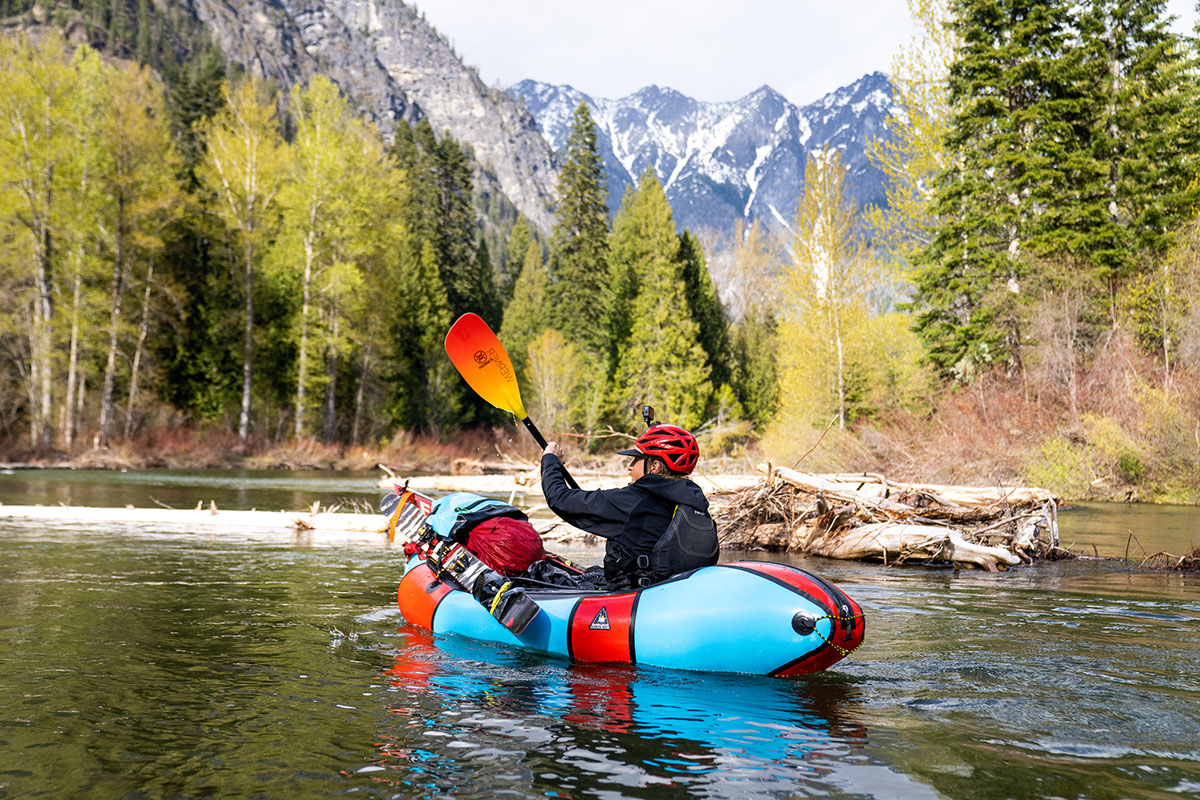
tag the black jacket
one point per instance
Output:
(631, 517)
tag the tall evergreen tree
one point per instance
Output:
(579, 243)
(514, 259)
(1010, 191)
(705, 307)
(661, 362)
(1146, 133)
(529, 312)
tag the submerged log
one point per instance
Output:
(865, 516)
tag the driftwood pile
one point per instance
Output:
(865, 516)
(1169, 561)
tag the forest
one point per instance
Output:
(198, 262)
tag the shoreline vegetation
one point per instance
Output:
(1040, 327)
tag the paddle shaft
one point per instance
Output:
(541, 440)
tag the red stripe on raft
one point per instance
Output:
(848, 624)
(600, 628)
(419, 595)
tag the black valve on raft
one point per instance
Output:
(507, 603)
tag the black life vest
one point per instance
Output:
(689, 542)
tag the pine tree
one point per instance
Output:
(579, 243)
(529, 312)
(643, 230)
(466, 290)
(1145, 135)
(1010, 190)
(514, 258)
(755, 373)
(661, 362)
(705, 307)
(195, 95)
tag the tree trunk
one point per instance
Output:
(68, 415)
(43, 317)
(114, 322)
(358, 397)
(247, 347)
(143, 329)
(329, 427)
(841, 372)
(304, 308)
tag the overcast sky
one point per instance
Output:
(709, 49)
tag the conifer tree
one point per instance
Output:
(514, 259)
(630, 248)
(1019, 115)
(661, 362)
(579, 243)
(705, 307)
(755, 373)
(1145, 135)
(529, 312)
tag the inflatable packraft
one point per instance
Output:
(752, 617)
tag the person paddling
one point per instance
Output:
(634, 518)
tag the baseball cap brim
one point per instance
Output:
(633, 452)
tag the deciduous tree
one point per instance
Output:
(243, 171)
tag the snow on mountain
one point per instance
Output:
(720, 162)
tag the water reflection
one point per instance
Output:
(523, 723)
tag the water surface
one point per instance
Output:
(164, 663)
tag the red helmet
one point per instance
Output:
(675, 446)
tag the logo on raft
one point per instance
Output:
(600, 621)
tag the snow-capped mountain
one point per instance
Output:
(720, 162)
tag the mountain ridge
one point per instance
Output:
(728, 160)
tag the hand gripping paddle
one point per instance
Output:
(483, 362)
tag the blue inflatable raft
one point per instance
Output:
(751, 617)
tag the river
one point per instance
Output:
(155, 663)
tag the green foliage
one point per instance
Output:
(508, 268)
(755, 372)
(1063, 467)
(1071, 132)
(529, 312)
(661, 362)
(555, 369)
(827, 300)
(705, 308)
(579, 243)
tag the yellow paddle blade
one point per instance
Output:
(484, 364)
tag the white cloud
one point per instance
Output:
(708, 49)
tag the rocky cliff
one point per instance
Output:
(393, 66)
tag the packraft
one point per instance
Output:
(747, 616)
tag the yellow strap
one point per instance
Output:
(391, 526)
(496, 599)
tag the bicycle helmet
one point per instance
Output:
(675, 446)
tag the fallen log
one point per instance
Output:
(865, 516)
(899, 543)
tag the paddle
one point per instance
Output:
(483, 362)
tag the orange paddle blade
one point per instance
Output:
(484, 364)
